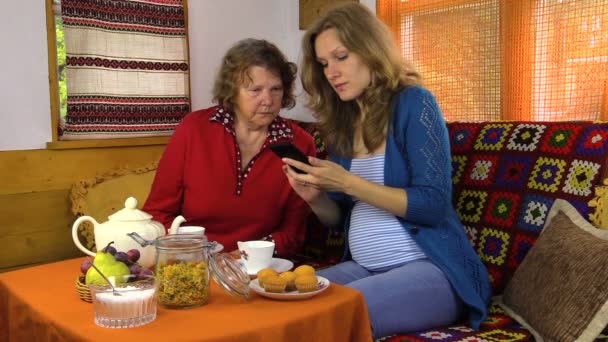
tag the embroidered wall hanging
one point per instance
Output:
(127, 68)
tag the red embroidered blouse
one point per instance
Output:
(199, 176)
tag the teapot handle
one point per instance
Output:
(75, 233)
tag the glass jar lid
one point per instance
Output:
(181, 242)
(230, 275)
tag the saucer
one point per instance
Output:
(278, 264)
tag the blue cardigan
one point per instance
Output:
(418, 160)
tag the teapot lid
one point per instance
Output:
(130, 212)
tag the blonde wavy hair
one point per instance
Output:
(237, 61)
(365, 35)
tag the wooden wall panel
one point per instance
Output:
(43, 170)
(36, 228)
(35, 215)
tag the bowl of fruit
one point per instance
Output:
(118, 266)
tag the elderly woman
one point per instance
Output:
(218, 171)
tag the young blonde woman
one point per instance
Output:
(388, 183)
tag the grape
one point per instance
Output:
(144, 273)
(135, 269)
(110, 249)
(84, 267)
(133, 254)
(122, 257)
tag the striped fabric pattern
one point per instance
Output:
(377, 240)
(127, 68)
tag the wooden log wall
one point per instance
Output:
(35, 215)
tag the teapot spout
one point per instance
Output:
(176, 223)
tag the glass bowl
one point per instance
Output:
(135, 306)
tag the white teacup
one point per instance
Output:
(256, 255)
(191, 230)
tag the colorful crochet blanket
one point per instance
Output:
(498, 327)
(505, 177)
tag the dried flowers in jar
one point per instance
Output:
(183, 284)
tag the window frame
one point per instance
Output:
(55, 143)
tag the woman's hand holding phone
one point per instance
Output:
(289, 150)
(308, 173)
(324, 175)
(309, 186)
(314, 178)
(291, 155)
(306, 190)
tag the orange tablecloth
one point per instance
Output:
(41, 304)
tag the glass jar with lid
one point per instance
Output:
(184, 264)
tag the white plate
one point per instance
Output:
(293, 295)
(278, 264)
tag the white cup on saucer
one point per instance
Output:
(256, 255)
(191, 230)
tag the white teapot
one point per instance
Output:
(119, 224)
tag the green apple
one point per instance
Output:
(110, 267)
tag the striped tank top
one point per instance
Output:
(376, 238)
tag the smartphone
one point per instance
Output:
(289, 150)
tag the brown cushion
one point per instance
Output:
(560, 290)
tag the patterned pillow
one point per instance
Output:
(506, 176)
(559, 292)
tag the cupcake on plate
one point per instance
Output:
(307, 283)
(290, 278)
(304, 270)
(274, 284)
(264, 273)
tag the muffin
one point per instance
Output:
(307, 283)
(274, 284)
(290, 277)
(264, 273)
(304, 270)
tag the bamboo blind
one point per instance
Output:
(513, 60)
